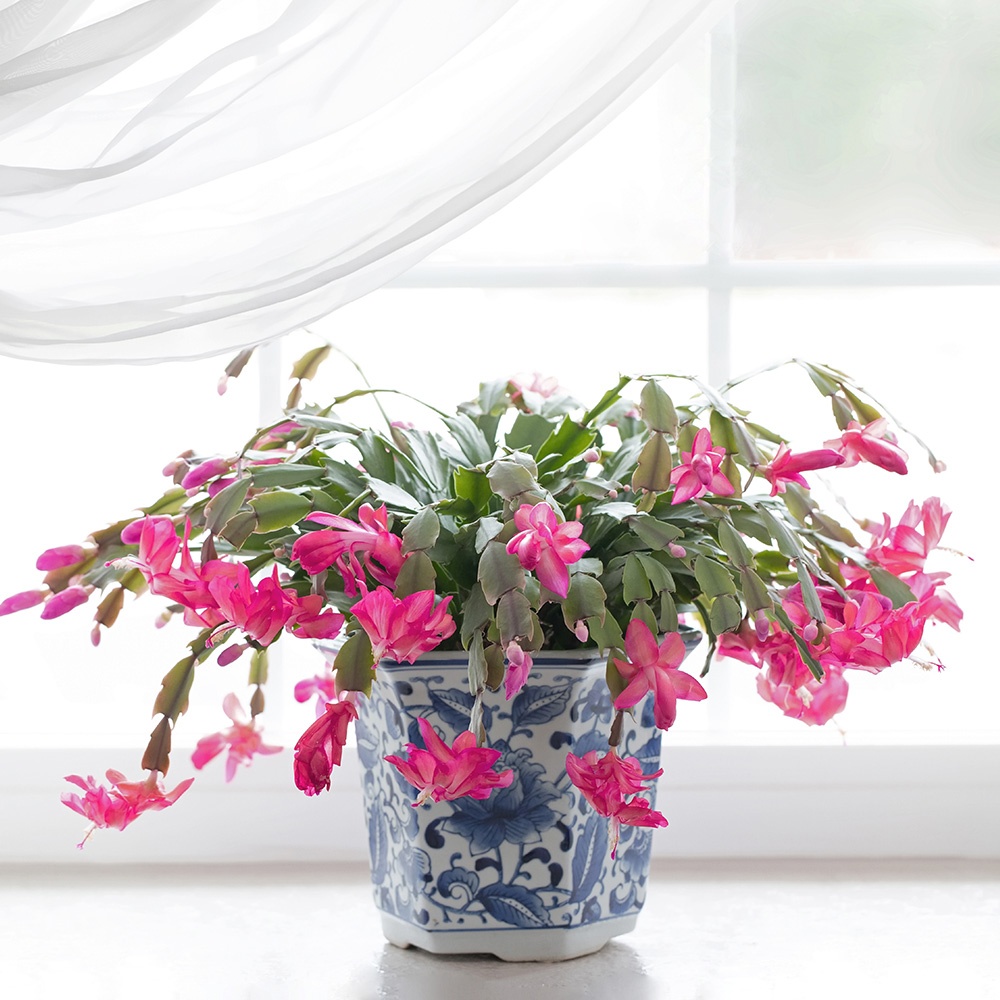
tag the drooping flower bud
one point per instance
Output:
(65, 600)
(22, 601)
(761, 625)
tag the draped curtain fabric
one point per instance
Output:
(183, 178)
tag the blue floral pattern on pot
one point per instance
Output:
(532, 855)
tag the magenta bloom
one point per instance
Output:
(652, 668)
(443, 772)
(403, 628)
(904, 548)
(321, 746)
(607, 783)
(308, 620)
(379, 549)
(787, 468)
(261, 611)
(546, 546)
(698, 472)
(60, 557)
(114, 809)
(66, 600)
(872, 443)
(242, 737)
(22, 601)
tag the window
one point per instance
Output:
(813, 181)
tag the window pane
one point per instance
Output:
(439, 344)
(868, 129)
(893, 342)
(87, 445)
(635, 193)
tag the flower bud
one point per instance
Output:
(65, 600)
(677, 551)
(761, 625)
(581, 631)
(591, 455)
(60, 557)
(19, 602)
(810, 632)
(939, 466)
(613, 494)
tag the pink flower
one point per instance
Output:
(872, 443)
(65, 600)
(698, 472)
(114, 809)
(403, 628)
(786, 467)
(546, 546)
(785, 679)
(904, 549)
(443, 772)
(607, 782)
(519, 664)
(60, 557)
(261, 611)
(652, 668)
(323, 686)
(380, 550)
(540, 386)
(308, 620)
(242, 737)
(22, 601)
(321, 746)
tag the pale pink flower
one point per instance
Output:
(534, 385)
(546, 546)
(243, 739)
(369, 537)
(519, 665)
(443, 772)
(323, 686)
(787, 467)
(22, 601)
(66, 600)
(652, 668)
(607, 783)
(872, 443)
(321, 747)
(60, 557)
(403, 628)
(698, 472)
(114, 809)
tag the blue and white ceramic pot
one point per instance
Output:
(526, 874)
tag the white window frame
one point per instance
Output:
(722, 801)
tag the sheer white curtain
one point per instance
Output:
(181, 178)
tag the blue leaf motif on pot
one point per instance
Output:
(591, 912)
(634, 860)
(596, 704)
(588, 859)
(454, 707)
(594, 740)
(378, 843)
(515, 905)
(517, 814)
(538, 703)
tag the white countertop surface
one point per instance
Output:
(731, 930)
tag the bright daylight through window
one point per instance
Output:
(812, 181)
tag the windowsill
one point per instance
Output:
(723, 929)
(721, 801)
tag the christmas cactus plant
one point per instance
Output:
(522, 522)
